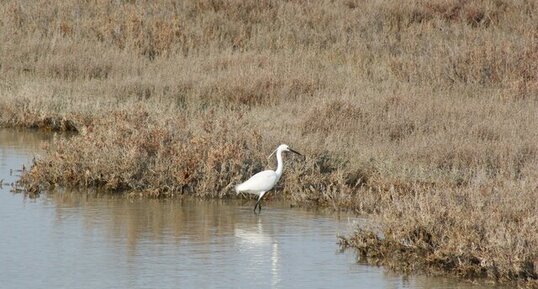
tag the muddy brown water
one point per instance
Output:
(82, 240)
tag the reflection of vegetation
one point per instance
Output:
(22, 139)
(12, 159)
(136, 218)
(421, 113)
(186, 219)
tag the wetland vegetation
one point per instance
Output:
(421, 114)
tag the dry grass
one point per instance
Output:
(421, 113)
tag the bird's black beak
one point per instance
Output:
(295, 152)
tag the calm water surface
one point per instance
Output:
(79, 240)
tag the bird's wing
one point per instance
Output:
(260, 182)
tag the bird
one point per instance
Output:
(264, 181)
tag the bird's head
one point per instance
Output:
(284, 148)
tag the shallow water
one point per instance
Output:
(79, 240)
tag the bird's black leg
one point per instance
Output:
(258, 205)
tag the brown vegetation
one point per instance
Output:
(421, 113)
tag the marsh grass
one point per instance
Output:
(421, 113)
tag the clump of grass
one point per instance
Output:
(421, 114)
(155, 157)
(459, 230)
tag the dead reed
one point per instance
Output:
(420, 113)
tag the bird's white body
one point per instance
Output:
(259, 183)
(264, 181)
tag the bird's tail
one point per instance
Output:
(240, 188)
(237, 189)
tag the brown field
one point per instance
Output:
(422, 114)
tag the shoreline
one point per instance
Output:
(409, 251)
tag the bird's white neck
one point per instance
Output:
(280, 165)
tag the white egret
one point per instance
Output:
(264, 181)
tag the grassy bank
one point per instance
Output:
(423, 114)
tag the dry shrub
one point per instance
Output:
(317, 180)
(473, 13)
(25, 113)
(130, 151)
(336, 115)
(405, 40)
(257, 90)
(460, 231)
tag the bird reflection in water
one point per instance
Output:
(252, 240)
